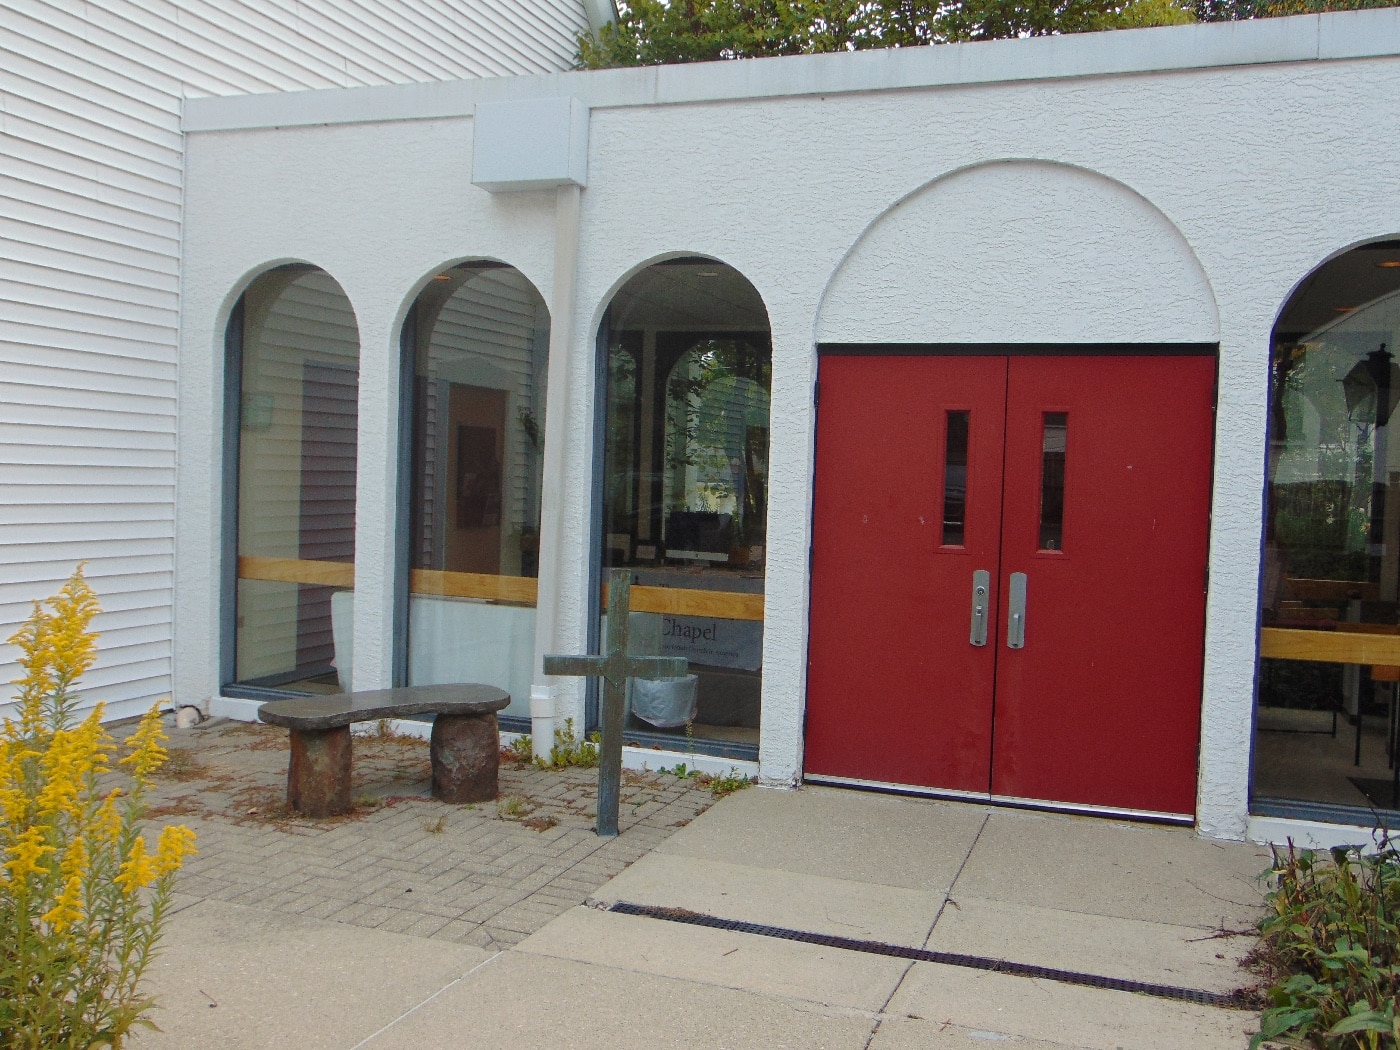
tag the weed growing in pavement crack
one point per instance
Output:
(513, 807)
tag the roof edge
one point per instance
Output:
(1301, 38)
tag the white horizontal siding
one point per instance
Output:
(90, 189)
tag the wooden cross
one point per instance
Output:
(614, 667)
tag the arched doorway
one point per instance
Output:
(1011, 514)
(1324, 734)
(684, 494)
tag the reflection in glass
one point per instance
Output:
(955, 479)
(477, 343)
(1326, 727)
(685, 490)
(1052, 481)
(296, 482)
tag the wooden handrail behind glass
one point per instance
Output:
(297, 570)
(669, 601)
(1350, 644)
(521, 589)
(677, 601)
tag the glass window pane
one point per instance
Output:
(298, 426)
(1052, 481)
(955, 479)
(1325, 722)
(685, 492)
(479, 340)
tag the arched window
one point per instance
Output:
(294, 366)
(685, 494)
(1325, 727)
(476, 344)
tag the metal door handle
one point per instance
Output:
(1016, 622)
(981, 587)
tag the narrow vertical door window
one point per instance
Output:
(955, 479)
(1052, 481)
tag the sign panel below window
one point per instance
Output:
(713, 642)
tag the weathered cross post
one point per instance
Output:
(614, 667)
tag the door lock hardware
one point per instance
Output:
(1016, 622)
(981, 589)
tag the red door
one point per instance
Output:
(1083, 481)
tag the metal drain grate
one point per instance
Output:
(1230, 1000)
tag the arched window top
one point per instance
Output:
(692, 293)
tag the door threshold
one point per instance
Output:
(1145, 816)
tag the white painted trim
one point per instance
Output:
(1307, 834)
(234, 707)
(546, 693)
(1301, 38)
(645, 758)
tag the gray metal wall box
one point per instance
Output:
(531, 144)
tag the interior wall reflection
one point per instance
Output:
(297, 433)
(685, 491)
(1326, 721)
(477, 347)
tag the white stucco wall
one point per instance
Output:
(1020, 251)
(1191, 198)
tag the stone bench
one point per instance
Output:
(465, 744)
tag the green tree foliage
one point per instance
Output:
(1233, 10)
(661, 32)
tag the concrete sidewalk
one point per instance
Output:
(1151, 904)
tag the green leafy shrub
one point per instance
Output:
(82, 897)
(568, 750)
(520, 751)
(1331, 935)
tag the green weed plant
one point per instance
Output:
(719, 784)
(569, 750)
(1331, 935)
(82, 897)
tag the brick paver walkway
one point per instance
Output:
(487, 874)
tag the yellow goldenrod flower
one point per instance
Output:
(28, 849)
(75, 859)
(137, 871)
(107, 821)
(68, 908)
(146, 753)
(176, 843)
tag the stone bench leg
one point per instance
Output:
(466, 754)
(318, 776)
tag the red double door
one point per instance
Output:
(1008, 575)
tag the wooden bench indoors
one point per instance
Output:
(465, 744)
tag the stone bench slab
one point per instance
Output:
(332, 711)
